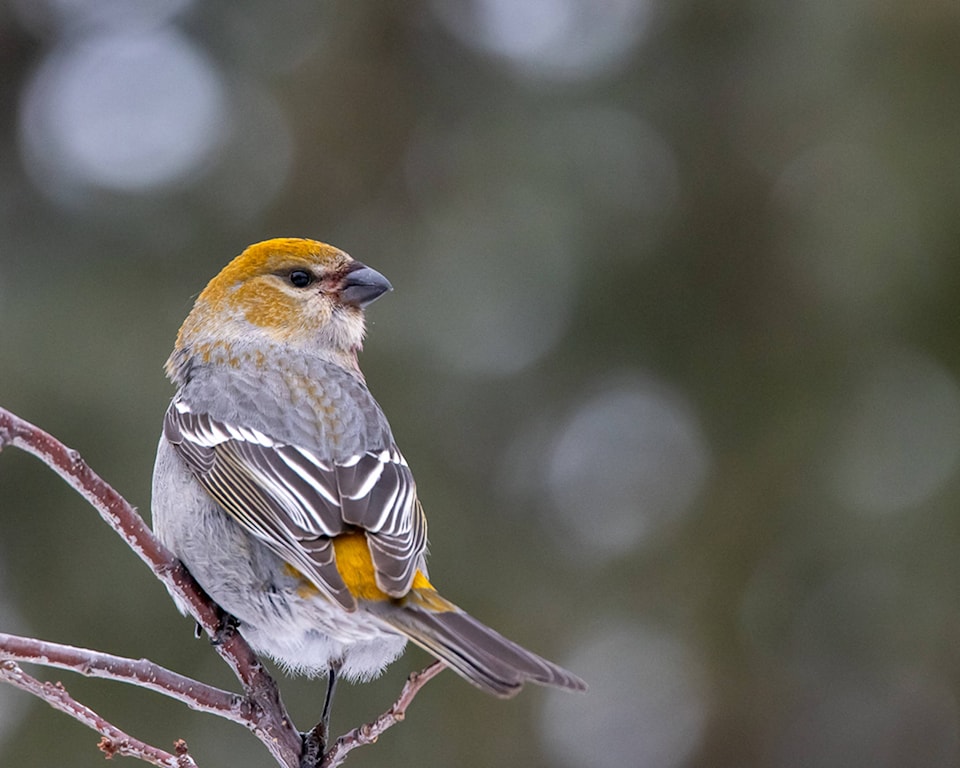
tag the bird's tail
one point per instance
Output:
(475, 651)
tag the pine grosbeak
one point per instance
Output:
(279, 485)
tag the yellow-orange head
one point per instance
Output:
(298, 294)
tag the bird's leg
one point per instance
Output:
(328, 701)
(315, 740)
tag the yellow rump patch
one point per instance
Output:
(356, 568)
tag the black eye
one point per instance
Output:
(300, 278)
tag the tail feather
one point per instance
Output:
(481, 655)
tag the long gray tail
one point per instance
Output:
(481, 655)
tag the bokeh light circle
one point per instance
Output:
(127, 112)
(646, 706)
(554, 39)
(898, 436)
(627, 463)
(501, 273)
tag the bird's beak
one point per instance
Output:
(363, 286)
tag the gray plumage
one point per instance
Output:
(270, 452)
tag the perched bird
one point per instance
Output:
(279, 485)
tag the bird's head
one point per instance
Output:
(300, 294)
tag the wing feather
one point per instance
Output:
(296, 501)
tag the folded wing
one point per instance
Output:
(295, 501)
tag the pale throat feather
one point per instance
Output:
(232, 336)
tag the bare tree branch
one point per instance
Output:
(113, 741)
(272, 725)
(369, 733)
(140, 672)
(261, 709)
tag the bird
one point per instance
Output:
(279, 485)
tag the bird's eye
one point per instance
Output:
(300, 278)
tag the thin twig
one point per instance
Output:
(113, 741)
(261, 710)
(370, 732)
(271, 723)
(140, 672)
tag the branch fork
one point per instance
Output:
(260, 709)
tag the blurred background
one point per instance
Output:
(673, 351)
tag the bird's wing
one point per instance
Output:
(296, 502)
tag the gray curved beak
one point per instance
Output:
(363, 286)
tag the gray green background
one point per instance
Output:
(673, 351)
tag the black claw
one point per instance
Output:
(314, 745)
(229, 625)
